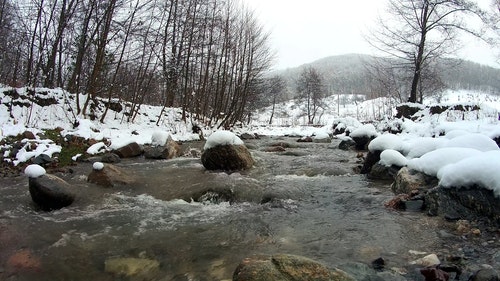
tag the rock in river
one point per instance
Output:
(109, 175)
(227, 158)
(286, 268)
(50, 192)
(128, 267)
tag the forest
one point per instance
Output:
(204, 56)
(211, 58)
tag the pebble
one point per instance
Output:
(428, 260)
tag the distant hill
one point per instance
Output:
(348, 74)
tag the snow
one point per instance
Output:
(159, 138)
(222, 138)
(431, 162)
(477, 141)
(98, 166)
(96, 148)
(419, 146)
(391, 157)
(367, 130)
(481, 169)
(34, 171)
(321, 135)
(386, 141)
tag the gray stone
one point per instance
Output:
(50, 192)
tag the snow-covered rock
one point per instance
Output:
(225, 151)
(222, 138)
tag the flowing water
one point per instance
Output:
(306, 201)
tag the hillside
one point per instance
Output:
(347, 74)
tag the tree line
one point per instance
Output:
(204, 56)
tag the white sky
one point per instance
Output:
(304, 31)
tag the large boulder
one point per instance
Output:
(467, 203)
(130, 150)
(286, 268)
(227, 157)
(109, 175)
(50, 192)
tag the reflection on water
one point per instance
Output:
(310, 205)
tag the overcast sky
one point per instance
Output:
(304, 31)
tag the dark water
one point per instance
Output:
(306, 201)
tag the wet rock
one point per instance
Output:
(414, 205)
(23, 260)
(110, 176)
(130, 150)
(286, 268)
(275, 149)
(213, 196)
(362, 142)
(434, 274)
(248, 136)
(487, 274)
(468, 203)
(347, 144)
(50, 192)
(128, 267)
(372, 157)
(227, 158)
(378, 264)
(381, 172)
(284, 144)
(408, 181)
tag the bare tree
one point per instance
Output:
(276, 91)
(311, 91)
(419, 31)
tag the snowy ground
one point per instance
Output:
(471, 131)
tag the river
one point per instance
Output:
(306, 201)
